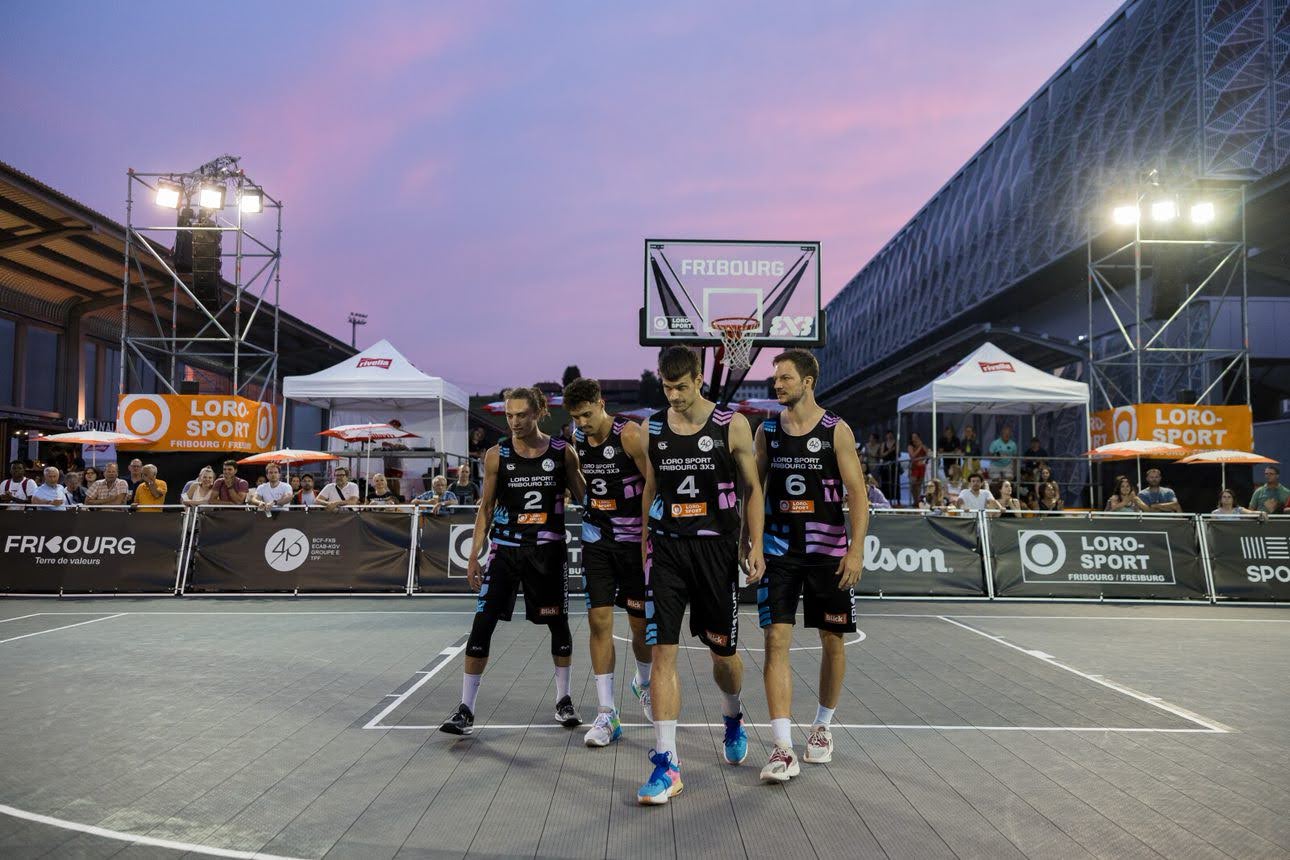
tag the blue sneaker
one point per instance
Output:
(664, 783)
(736, 740)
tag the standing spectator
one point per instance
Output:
(465, 490)
(17, 487)
(1036, 454)
(383, 496)
(306, 494)
(890, 468)
(201, 491)
(971, 450)
(478, 447)
(1125, 498)
(1228, 509)
(876, 498)
(1003, 453)
(977, 496)
(75, 490)
(108, 490)
(134, 476)
(908, 492)
(872, 455)
(274, 492)
(1272, 491)
(51, 494)
(1043, 475)
(230, 489)
(948, 449)
(438, 497)
(150, 494)
(1157, 498)
(918, 456)
(341, 491)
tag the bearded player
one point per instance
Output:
(806, 456)
(697, 454)
(525, 478)
(611, 453)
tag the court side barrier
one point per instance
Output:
(1098, 556)
(100, 549)
(443, 551)
(910, 553)
(1248, 556)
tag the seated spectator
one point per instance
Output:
(230, 489)
(1271, 507)
(201, 491)
(274, 492)
(260, 480)
(89, 476)
(437, 497)
(1050, 497)
(1003, 452)
(306, 494)
(1228, 509)
(1006, 504)
(876, 498)
(465, 490)
(108, 490)
(339, 492)
(933, 498)
(17, 487)
(382, 495)
(1125, 498)
(134, 476)
(977, 496)
(1272, 490)
(954, 480)
(51, 494)
(1036, 454)
(1043, 475)
(150, 493)
(1157, 498)
(75, 490)
(295, 484)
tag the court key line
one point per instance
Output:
(807, 726)
(446, 657)
(64, 627)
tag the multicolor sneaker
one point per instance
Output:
(605, 730)
(664, 783)
(819, 745)
(782, 766)
(641, 692)
(460, 722)
(565, 714)
(736, 740)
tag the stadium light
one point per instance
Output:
(251, 200)
(168, 193)
(211, 195)
(1164, 210)
(1202, 213)
(1125, 215)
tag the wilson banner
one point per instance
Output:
(914, 555)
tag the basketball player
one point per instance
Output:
(806, 456)
(697, 454)
(525, 477)
(611, 453)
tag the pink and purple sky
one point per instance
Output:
(478, 178)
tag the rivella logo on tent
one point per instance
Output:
(382, 363)
(286, 549)
(996, 367)
(1271, 555)
(907, 559)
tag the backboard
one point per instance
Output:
(691, 282)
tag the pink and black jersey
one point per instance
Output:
(612, 509)
(694, 479)
(530, 495)
(804, 516)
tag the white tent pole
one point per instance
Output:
(443, 449)
(1088, 436)
(936, 440)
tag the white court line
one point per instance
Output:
(890, 726)
(1153, 701)
(860, 637)
(64, 627)
(34, 614)
(447, 654)
(137, 839)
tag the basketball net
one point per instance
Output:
(736, 341)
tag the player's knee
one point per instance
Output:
(831, 641)
(561, 638)
(481, 634)
(601, 621)
(778, 639)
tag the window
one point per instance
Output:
(90, 379)
(40, 376)
(109, 380)
(8, 336)
(304, 423)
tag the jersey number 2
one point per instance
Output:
(533, 500)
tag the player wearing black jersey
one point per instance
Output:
(611, 453)
(697, 456)
(525, 478)
(806, 457)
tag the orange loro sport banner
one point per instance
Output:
(197, 422)
(1203, 428)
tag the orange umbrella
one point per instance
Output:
(94, 439)
(1223, 457)
(288, 456)
(1137, 448)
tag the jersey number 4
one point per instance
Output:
(688, 487)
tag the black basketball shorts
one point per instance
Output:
(827, 606)
(539, 569)
(700, 572)
(613, 575)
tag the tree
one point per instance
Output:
(570, 374)
(651, 390)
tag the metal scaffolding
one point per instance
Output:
(208, 332)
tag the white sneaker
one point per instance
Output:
(641, 692)
(782, 766)
(604, 731)
(819, 745)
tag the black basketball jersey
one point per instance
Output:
(612, 507)
(530, 495)
(804, 516)
(694, 479)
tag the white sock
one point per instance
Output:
(605, 690)
(781, 730)
(642, 673)
(561, 682)
(665, 737)
(732, 707)
(469, 689)
(823, 716)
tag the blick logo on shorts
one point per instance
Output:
(716, 638)
(548, 611)
(836, 617)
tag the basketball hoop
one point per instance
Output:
(736, 340)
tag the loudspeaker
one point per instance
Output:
(190, 386)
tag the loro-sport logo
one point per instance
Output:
(1120, 557)
(1270, 557)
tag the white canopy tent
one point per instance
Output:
(380, 384)
(989, 381)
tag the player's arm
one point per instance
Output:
(741, 446)
(573, 473)
(852, 564)
(647, 502)
(763, 469)
(487, 502)
(634, 444)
